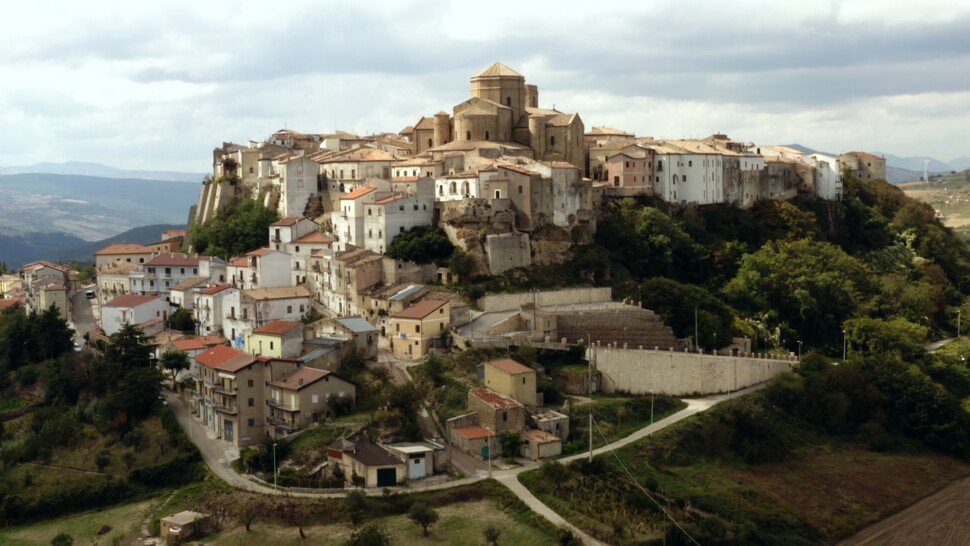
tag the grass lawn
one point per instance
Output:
(125, 522)
(459, 524)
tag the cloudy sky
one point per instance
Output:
(157, 85)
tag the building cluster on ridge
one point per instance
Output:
(510, 183)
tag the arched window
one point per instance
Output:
(498, 194)
(454, 187)
(552, 141)
(486, 135)
(468, 135)
(508, 101)
(464, 188)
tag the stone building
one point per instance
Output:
(503, 108)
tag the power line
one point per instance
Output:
(649, 496)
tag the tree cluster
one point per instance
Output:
(237, 228)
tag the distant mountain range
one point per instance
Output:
(60, 247)
(905, 169)
(103, 171)
(87, 207)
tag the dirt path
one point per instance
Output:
(940, 520)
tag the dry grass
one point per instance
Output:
(125, 522)
(459, 524)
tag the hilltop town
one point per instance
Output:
(389, 373)
(510, 183)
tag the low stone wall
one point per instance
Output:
(507, 302)
(638, 371)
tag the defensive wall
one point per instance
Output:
(638, 371)
(507, 302)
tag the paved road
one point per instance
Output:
(82, 314)
(214, 453)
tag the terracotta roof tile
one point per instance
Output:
(130, 300)
(494, 399)
(278, 327)
(299, 378)
(359, 192)
(510, 366)
(474, 432)
(421, 309)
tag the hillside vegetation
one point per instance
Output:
(79, 430)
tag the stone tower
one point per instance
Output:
(442, 129)
(501, 84)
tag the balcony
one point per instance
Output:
(279, 423)
(220, 389)
(281, 406)
(228, 410)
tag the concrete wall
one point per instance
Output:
(507, 251)
(508, 302)
(674, 373)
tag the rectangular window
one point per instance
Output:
(301, 308)
(250, 383)
(252, 402)
(505, 416)
(315, 398)
(289, 308)
(417, 329)
(252, 422)
(182, 271)
(270, 345)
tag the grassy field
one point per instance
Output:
(615, 417)
(949, 195)
(125, 522)
(459, 524)
(817, 489)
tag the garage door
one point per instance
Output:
(386, 477)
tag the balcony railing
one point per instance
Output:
(279, 423)
(224, 391)
(282, 406)
(229, 410)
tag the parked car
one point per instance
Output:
(89, 294)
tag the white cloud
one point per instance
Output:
(158, 85)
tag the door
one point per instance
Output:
(229, 432)
(386, 477)
(416, 468)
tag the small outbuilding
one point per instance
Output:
(184, 526)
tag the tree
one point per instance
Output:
(356, 505)
(370, 535)
(422, 244)
(423, 515)
(511, 443)
(247, 510)
(182, 321)
(62, 539)
(491, 533)
(174, 362)
(461, 263)
(102, 459)
(239, 227)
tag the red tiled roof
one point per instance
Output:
(261, 252)
(130, 300)
(6, 304)
(299, 378)
(405, 179)
(510, 366)
(288, 221)
(474, 432)
(278, 327)
(123, 248)
(494, 399)
(194, 344)
(390, 199)
(420, 310)
(215, 289)
(172, 259)
(214, 340)
(315, 237)
(519, 170)
(359, 192)
(225, 358)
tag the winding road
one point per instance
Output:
(214, 452)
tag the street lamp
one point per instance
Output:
(651, 406)
(799, 350)
(845, 343)
(274, 465)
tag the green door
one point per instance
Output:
(386, 477)
(485, 452)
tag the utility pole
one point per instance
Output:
(799, 350)
(590, 378)
(845, 344)
(274, 466)
(651, 406)
(489, 439)
(696, 340)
